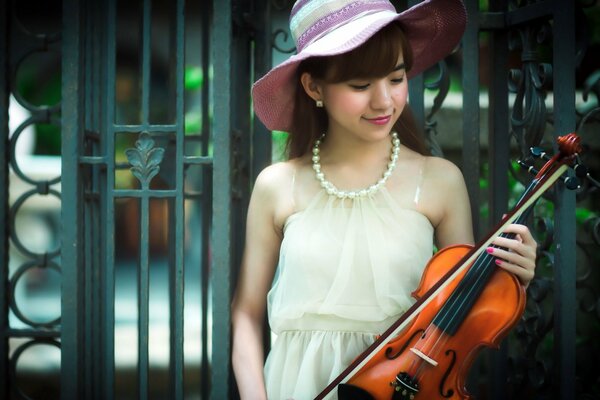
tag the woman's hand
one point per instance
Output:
(516, 255)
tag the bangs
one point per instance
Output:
(374, 59)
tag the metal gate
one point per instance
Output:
(124, 218)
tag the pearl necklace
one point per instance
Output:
(352, 194)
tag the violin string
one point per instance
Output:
(476, 275)
(441, 339)
(482, 263)
(548, 180)
(478, 264)
(477, 270)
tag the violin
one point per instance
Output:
(463, 303)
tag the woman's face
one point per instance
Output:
(366, 108)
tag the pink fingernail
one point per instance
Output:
(498, 262)
(490, 250)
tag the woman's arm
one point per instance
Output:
(259, 261)
(454, 223)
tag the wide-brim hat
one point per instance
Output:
(433, 29)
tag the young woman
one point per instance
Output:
(338, 236)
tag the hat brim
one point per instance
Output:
(433, 29)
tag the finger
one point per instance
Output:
(522, 231)
(515, 246)
(524, 275)
(522, 261)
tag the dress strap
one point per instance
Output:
(293, 191)
(419, 182)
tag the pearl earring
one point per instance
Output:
(319, 103)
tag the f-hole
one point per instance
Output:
(388, 351)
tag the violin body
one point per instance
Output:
(434, 362)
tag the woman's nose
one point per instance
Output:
(382, 97)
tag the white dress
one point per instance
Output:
(345, 274)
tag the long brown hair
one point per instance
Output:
(382, 52)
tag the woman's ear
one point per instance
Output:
(311, 87)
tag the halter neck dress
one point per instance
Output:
(346, 271)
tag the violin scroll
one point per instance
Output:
(569, 150)
(569, 145)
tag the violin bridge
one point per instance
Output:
(424, 356)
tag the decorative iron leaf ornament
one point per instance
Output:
(145, 159)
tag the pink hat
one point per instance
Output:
(433, 28)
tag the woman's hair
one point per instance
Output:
(382, 52)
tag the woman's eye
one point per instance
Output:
(398, 80)
(359, 86)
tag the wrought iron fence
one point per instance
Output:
(157, 150)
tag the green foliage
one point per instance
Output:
(279, 143)
(193, 122)
(194, 78)
(193, 81)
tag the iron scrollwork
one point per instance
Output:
(441, 84)
(531, 367)
(32, 264)
(285, 37)
(529, 83)
(281, 39)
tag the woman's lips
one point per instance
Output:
(379, 120)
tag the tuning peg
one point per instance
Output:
(572, 183)
(538, 152)
(580, 170)
(528, 167)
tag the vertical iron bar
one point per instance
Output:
(416, 95)
(206, 205)
(143, 296)
(470, 121)
(95, 108)
(108, 187)
(499, 140)
(565, 261)
(4, 104)
(90, 302)
(498, 156)
(71, 256)
(240, 119)
(416, 91)
(104, 346)
(146, 57)
(470, 82)
(221, 244)
(177, 266)
(144, 264)
(262, 139)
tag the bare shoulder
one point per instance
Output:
(272, 177)
(272, 191)
(437, 172)
(444, 190)
(442, 172)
